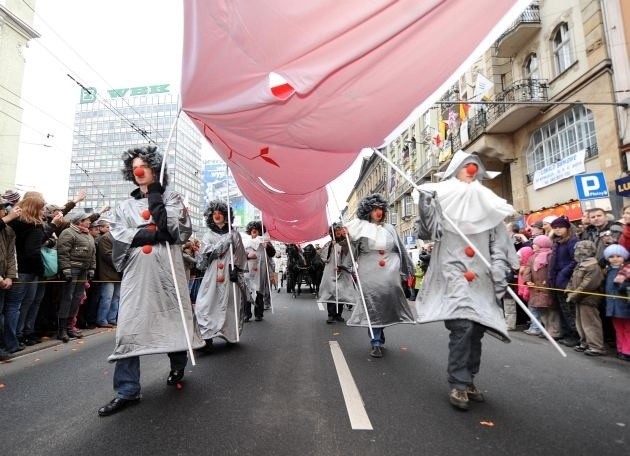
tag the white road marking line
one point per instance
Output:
(321, 306)
(354, 404)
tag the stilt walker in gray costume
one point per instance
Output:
(337, 286)
(382, 263)
(458, 287)
(223, 284)
(149, 319)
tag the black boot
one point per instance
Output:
(62, 331)
(175, 377)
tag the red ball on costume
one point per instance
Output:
(146, 214)
(381, 262)
(152, 227)
(147, 249)
(471, 169)
(220, 266)
(469, 251)
(220, 279)
(138, 172)
(469, 275)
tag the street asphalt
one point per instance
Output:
(278, 392)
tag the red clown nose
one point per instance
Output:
(471, 169)
(138, 172)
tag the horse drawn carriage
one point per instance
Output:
(304, 267)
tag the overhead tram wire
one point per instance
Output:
(87, 174)
(142, 132)
(156, 130)
(72, 129)
(623, 104)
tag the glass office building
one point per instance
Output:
(106, 125)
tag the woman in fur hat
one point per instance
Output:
(148, 224)
(337, 286)
(383, 264)
(458, 288)
(215, 301)
(260, 253)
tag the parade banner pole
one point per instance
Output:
(237, 320)
(168, 249)
(481, 256)
(356, 269)
(262, 227)
(334, 249)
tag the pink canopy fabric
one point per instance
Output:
(288, 92)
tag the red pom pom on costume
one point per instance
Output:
(469, 275)
(469, 251)
(471, 169)
(152, 227)
(220, 279)
(147, 249)
(146, 214)
(381, 262)
(220, 266)
(138, 172)
(381, 252)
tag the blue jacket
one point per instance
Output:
(616, 307)
(561, 263)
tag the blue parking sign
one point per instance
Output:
(591, 186)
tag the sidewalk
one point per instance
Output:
(51, 341)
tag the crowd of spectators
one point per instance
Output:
(574, 278)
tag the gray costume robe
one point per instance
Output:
(382, 266)
(260, 270)
(215, 310)
(446, 294)
(337, 285)
(149, 319)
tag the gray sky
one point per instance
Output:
(104, 44)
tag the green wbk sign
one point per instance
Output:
(89, 95)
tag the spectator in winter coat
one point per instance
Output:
(587, 277)
(561, 265)
(8, 266)
(29, 238)
(599, 223)
(617, 306)
(540, 297)
(76, 255)
(109, 279)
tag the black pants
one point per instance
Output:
(259, 305)
(334, 309)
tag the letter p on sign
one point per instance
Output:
(591, 186)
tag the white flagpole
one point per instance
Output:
(168, 249)
(334, 249)
(355, 267)
(262, 227)
(481, 256)
(237, 320)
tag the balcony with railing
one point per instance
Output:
(521, 32)
(518, 105)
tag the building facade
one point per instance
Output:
(547, 102)
(16, 30)
(106, 125)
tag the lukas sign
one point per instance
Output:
(89, 95)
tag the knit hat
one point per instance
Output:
(561, 222)
(537, 224)
(543, 241)
(616, 249)
(12, 196)
(549, 219)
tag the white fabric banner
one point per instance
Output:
(463, 132)
(567, 167)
